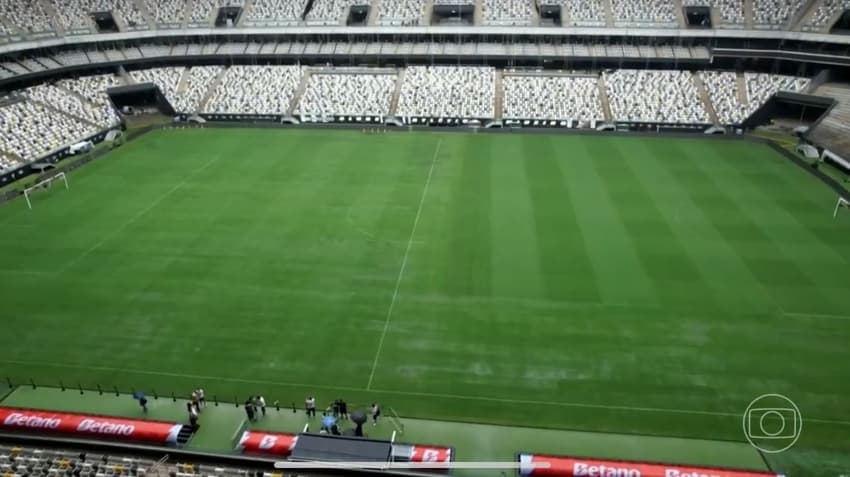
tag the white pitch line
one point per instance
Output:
(137, 216)
(656, 410)
(825, 316)
(404, 264)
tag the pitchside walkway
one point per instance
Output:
(221, 426)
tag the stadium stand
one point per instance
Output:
(31, 129)
(197, 84)
(654, 96)
(100, 116)
(833, 131)
(401, 12)
(35, 462)
(731, 12)
(582, 13)
(761, 86)
(28, 16)
(507, 12)
(347, 94)
(167, 12)
(92, 88)
(275, 12)
(722, 87)
(255, 90)
(774, 14)
(8, 162)
(165, 78)
(825, 12)
(448, 91)
(643, 13)
(552, 97)
(331, 12)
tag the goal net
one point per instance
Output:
(44, 184)
(842, 202)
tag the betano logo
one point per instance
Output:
(580, 469)
(105, 427)
(28, 420)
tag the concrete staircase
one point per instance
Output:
(748, 14)
(804, 12)
(374, 10)
(397, 91)
(65, 113)
(833, 131)
(125, 77)
(146, 14)
(302, 86)
(499, 98)
(678, 10)
(478, 14)
(246, 7)
(50, 10)
(427, 9)
(183, 83)
(187, 10)
(69, 92)
(705, 97)
(603, 98)
(609, 13)
(213, 86)
(741, 88)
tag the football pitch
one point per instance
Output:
(621, 284)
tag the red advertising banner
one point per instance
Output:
(578, 467)
(103, 427)
(267, 443)
(430, 454)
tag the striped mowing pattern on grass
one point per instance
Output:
(620, 273)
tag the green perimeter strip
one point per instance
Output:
(221, 426)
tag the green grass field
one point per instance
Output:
(630, 285)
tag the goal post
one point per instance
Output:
(44, 184)
(842, 202)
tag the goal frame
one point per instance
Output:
(44, 182)
(842, 202)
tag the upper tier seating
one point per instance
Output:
(654, 96)
(507, 12)
(28, 16)
(552, 97)
(826, 12)
(331, 12)
(731, 11)
(167, 12)
(347, 94)
(401, 12)
(774, 14)
(255, 90)
(275, 12)
(451, 91)
(653, 13)
(582, 13)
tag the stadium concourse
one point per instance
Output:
(43, 118)
(73, 16)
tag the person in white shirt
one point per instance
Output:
(310, 405)
(261, 403)
(376, 412)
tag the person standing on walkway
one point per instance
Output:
(310, 405)
(261, 403)
(376, 413)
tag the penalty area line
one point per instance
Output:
(403, 264)
(657, 410)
